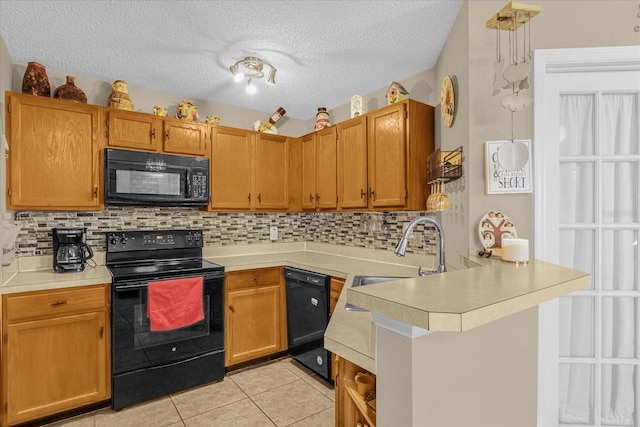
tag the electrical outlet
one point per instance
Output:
(273, 232)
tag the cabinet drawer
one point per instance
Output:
(55, 303)
(252, 278)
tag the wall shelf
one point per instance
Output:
(444, 166)
(512, 16)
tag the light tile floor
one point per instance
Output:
(278, 393)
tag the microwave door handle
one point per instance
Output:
(189, 183)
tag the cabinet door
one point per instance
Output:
(54, 154)
(253, 319)
(231, 168)
(308, 143)
(184, 137)
(272, 171)
(55, 365)
(387, 157)
(352, 163)
(335, 289)
(128, 129)
(326, 168)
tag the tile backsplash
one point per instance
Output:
(220, 229)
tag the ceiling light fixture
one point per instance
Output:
(252, 68)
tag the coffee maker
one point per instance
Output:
(70, 250)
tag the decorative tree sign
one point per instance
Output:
(507, 167)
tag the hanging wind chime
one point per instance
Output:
(512, 72)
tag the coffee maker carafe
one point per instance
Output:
(70, 250)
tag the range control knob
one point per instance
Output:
(114, 240)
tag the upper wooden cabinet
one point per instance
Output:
(231, 168)
(140, 131)
(397, 141)
(352, 161)
(319, 169)
(54, 154)
(128, 129)
(272, 171)
(249, 170)
(184, 137)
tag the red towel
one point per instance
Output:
(173, 304)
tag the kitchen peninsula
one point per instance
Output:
(432, 332)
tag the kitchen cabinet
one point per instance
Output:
(129, 129)
(184, 137)
(140, 131)
(55, 355)
(351, 408)
(397, 141)
(255, 314)
(231, 168)
(352, 164)
(319, 188)
(272, 172)
(336, 285)
(249, 170)
(54, 154)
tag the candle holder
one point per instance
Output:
(515, 251)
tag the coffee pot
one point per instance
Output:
(70, 250)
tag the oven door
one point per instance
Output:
(152, 179)
(135, 346)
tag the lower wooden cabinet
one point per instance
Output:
(351, 408)
(55, 353)
(255, 314)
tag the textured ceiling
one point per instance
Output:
(325, 51)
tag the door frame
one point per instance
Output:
(546, 63)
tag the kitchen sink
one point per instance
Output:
(372, 280)
(368, 280)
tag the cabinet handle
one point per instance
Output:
(371, 193)
(95, 192)
(258, 197)
(311, 197)
(249, 197)
(317, 197)
(233, 310)
(59, 302)
(255, 279)
(166, 135)
(101, 331)
(363, 194)
(153, 133)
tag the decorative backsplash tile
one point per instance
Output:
(220, 229)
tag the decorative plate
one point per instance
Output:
(493, 227)
(447, 101)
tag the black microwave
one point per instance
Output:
(155, 179)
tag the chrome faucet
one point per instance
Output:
(402, 245)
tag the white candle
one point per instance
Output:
(515, 250)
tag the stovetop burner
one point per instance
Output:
(156, 253)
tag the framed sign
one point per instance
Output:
(508, 167)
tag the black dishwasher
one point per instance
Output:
(307, 319)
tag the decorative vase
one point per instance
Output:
(70, 91)
(187, 111)
(119, 97)
(35, 80)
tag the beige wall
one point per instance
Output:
(469, 56)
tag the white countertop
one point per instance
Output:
(453, 301)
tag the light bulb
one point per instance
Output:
(250, 87)
(239, 76)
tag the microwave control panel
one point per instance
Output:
(199, 188)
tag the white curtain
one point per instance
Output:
(599, 234)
